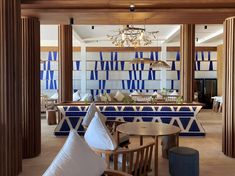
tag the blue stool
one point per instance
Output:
(183, 161)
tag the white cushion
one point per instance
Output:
(54, 96)
(86, 97)
(98, 136)
(76, 158)
(134, 93)
(90, 115)
(105, 97)
(76, 96)
(119, 96)
(174, 93)
(108, 96)
(157, 95)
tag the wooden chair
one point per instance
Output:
(115, 173)
(136, 162)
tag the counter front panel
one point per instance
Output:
(181, 115)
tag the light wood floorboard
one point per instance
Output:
(212, 161)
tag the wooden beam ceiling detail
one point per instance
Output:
(117, 12)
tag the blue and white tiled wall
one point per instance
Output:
(173, 73)
(206, 64)
(205, 67)
(49, 72)
(109, 71)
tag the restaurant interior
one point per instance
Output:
(117, 88)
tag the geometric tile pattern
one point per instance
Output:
(49, 70)
(205, 67)
(134, 76)
(179, 115)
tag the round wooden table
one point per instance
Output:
(148, 129)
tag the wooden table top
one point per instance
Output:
(147, 129)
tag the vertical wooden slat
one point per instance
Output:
(31, 135)
(107, 159)
(228, 145)
(65, 63)
(131, 162)
(150, 157)
(10, 88)
(146, 161)
(136, 163)
(115, 161)
(124, 162)
(141, 161)
(187, 55)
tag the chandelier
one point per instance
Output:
(130, 36)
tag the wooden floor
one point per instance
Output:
(212, 161)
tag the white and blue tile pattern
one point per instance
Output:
(183, 116)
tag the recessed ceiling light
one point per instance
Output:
(71, 21)
(132, 8)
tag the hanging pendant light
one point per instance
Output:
(141, 61)
(159, 64)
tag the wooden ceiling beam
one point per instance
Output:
(166, 17)
(140, 4)
(113, 12)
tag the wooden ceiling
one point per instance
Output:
(117, 11)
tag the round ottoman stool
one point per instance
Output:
(183, 161)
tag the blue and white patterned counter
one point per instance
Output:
(182, 115)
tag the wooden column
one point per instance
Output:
(65, 63)
(10, 88)
(187, 51)
(220, 68)
(31, 132)
(228, 146)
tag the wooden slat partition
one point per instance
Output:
(187, 51)
(10, 89)
(31, 132)
(228, 146)
(65, 63)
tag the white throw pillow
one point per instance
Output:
(54, 96)
(105, 97)
(76, 158)
(76, 96)
(134, 93)
(119, 96)
(157, 95)
(108, 96)
(86, 97)
(90, 115)
(98, 136)
(102, 97)
(174, 93)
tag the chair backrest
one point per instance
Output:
(136, 162)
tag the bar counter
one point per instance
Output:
(183, 115)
